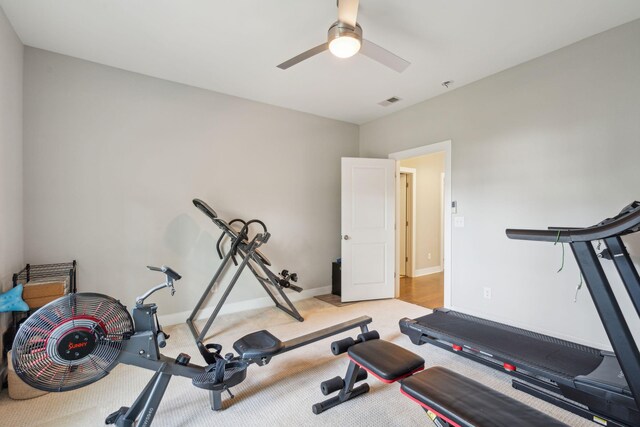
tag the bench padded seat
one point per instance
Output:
(464, 402)
(386, 361)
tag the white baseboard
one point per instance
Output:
(234, 307)
(426, 271)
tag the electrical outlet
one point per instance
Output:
(487, 293)
(429, 255)
(458, 222)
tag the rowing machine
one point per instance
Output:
(78, 339)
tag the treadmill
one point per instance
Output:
(596, 384)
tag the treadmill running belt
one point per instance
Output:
(514, 345)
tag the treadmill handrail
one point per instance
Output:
(618, 226)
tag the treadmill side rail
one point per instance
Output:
(608, 377)
(408, 327)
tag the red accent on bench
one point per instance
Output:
(387, 381)
(453, 424)
(508, 366)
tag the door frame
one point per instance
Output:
(442, 205)
(414, 177)
(444, 146)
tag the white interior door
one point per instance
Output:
(368, 229)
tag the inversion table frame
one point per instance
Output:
(251, 258)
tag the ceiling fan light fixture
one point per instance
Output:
(345, 46)
(344, 40)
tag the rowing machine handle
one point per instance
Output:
(166, 270)
(171, 272)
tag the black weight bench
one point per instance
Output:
(450, 399)
(455, 400)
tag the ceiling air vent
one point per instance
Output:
(389, 101)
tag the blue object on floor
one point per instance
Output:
(12, 300)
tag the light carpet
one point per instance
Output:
(279, 394)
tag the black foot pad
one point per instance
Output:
(234, 373)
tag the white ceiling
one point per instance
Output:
(234, 46)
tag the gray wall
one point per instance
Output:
(11, 248)
(113, 159)
(554, 141)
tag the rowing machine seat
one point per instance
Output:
(462, 401)
(258, 345)
(384, 360)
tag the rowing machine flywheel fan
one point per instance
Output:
(71, 342)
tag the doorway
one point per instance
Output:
(424, 225)
(406, 221)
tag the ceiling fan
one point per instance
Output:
(344, 39)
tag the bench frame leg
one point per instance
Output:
(347, 392)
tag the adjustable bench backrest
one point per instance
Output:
(461, 401)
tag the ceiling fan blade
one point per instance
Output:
(348, 11)
(304, 55)
(383, 56)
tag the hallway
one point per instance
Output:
(427, 291)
